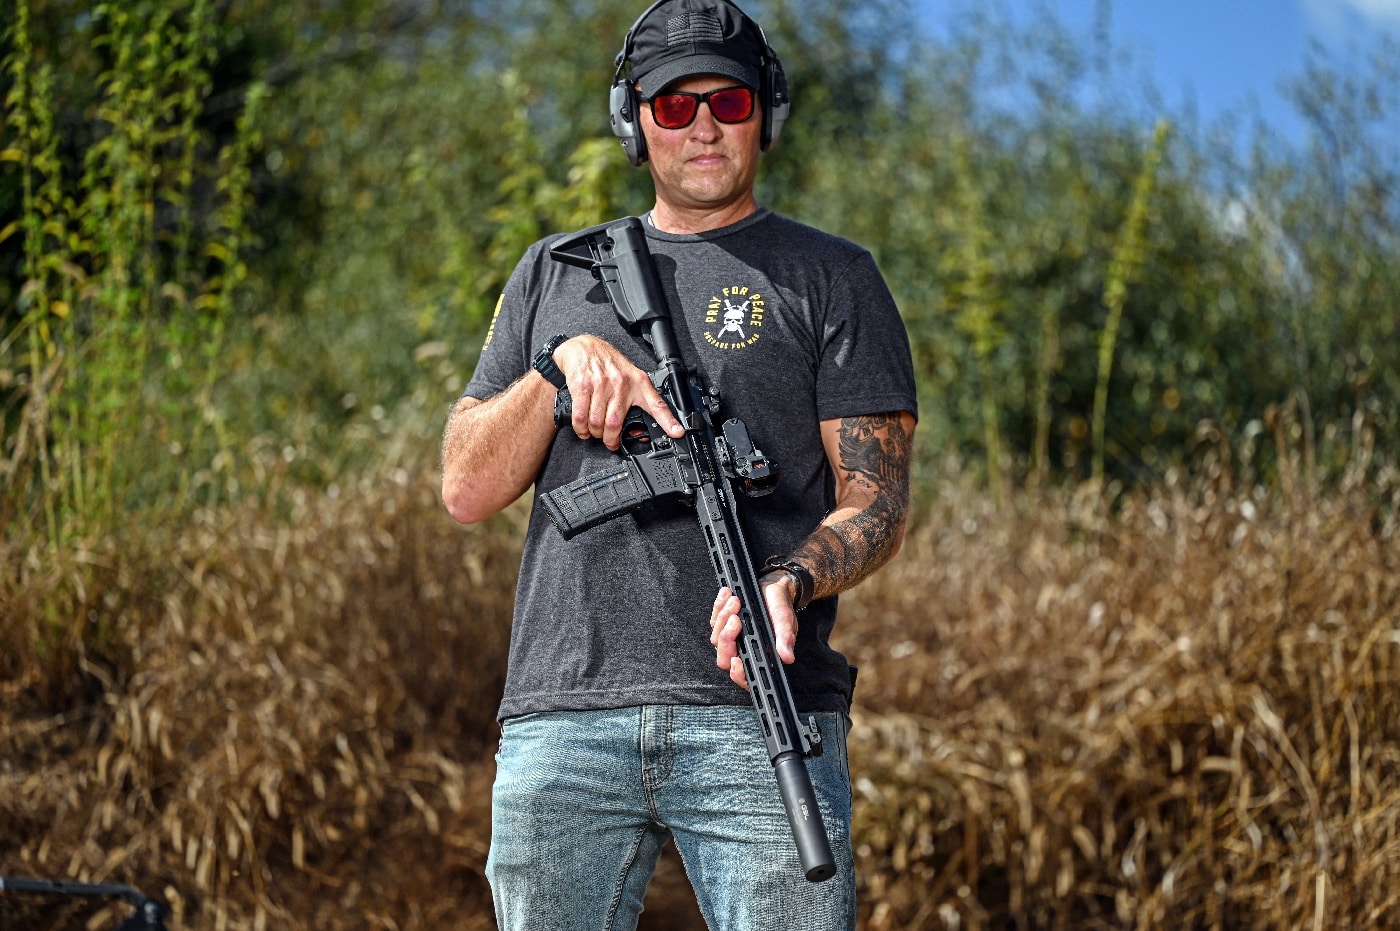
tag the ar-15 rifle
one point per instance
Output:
(702, 468)
(149, 915)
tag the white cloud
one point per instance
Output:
(1380, 9)
(1332, 13)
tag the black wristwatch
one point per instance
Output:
(806, 585)
(544, 361)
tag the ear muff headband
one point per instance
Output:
(624, 104)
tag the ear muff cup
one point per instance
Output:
(626, 124)
(777, 104)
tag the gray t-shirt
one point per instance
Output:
(792, 326)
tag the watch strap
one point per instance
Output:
(544, 361)
(806, 585)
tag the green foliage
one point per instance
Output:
(530, 203)
(1207, 338)
(342, 256)
(125, 285)
(408, 178)
(1333, 217)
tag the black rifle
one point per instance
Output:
(149, 915)
(701, 469)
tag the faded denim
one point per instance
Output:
(585, 800)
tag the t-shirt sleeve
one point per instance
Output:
(505, 354)
(865, 366)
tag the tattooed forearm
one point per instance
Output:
(867, 526)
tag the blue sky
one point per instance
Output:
(1220, 56)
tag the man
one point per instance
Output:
(624, 720)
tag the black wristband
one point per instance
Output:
(544, 361)
(806, 585)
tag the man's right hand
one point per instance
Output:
(604, 386)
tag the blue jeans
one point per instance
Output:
(585, 800)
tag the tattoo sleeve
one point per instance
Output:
(875, 453)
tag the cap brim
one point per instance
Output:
(659, 77)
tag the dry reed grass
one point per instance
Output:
(1180, 714)
(298, 725)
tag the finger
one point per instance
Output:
(581, 396)
(661, 411)
(614, 420)
(785, 638)
(784, 619)
(718, 612)
(727, 642)
(736, 673)
(725, 612)
(598, 414)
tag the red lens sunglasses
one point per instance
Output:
(678, 109)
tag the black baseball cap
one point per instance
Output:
(681, 38)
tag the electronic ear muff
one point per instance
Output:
(777, 103)
(624, 103)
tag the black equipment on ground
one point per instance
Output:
(149, 915)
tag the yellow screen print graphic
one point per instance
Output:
(734, 317)
(491, 330)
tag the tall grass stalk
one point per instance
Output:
(1048, 365)
(32, 144)
(1125, 267)
(977, 303)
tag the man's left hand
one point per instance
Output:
(726, 625)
